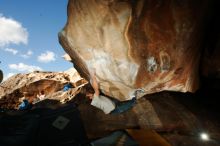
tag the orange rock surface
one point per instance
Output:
(136, 47)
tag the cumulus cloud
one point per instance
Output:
(12, 32)
(24, 67)
(28, 54)
(11, 50)
(46, 57)
(8, 75)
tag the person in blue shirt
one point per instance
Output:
(25, 105)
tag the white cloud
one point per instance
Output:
(12, 32)
(46, 57)
(11, 50)
(28, 54)
(8, 75)
(24, 67)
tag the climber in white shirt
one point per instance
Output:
(106, 104)
(99, 101)
(41, 96)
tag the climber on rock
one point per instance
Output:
(41, 95)
(104, 103)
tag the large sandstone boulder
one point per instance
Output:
(136, 47)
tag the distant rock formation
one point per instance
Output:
(31, 86)
(137, 47)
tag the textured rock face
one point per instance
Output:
(144, 46)
(31, 85)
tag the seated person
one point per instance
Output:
(25, 105)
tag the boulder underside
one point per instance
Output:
(136, 47)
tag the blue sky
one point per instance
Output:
(29, 35)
